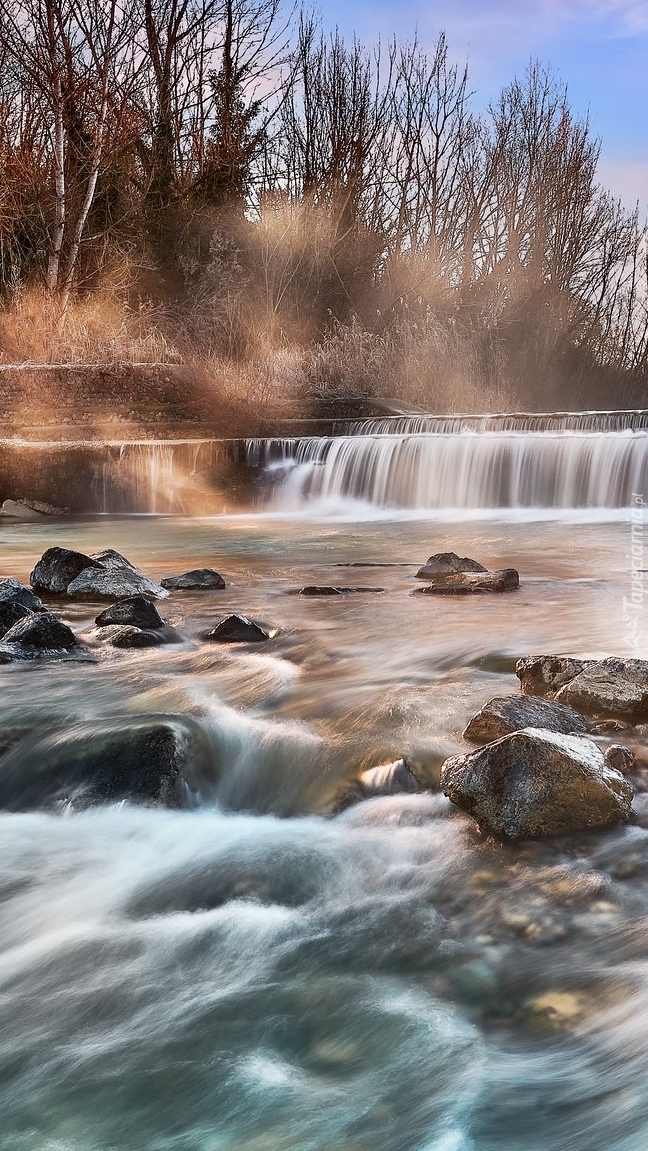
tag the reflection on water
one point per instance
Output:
(252, 975)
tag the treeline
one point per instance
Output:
(248, 182)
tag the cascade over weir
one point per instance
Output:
(508, 460)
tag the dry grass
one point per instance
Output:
(96, 329)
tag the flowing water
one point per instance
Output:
(253, 973)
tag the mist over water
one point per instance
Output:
(252, 974)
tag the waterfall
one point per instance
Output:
(461, 469)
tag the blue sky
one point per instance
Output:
(599, 48)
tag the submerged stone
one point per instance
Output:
(328, 590)
(125, 635)
(535, 783)
(238, 629)
(448, 563)
(505, 714)
(199, 579)
(108, 763)
(471, 583)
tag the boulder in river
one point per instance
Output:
(113, 583)
(12, 591)
(140, 760)
(327, 590)
(544, 675)
(534, 783)
(238, 629)
(471, 583)
(505, 714)
(615, 688)
(125, 635)
(10, 613)
(58, 567)
(109, 558)
(134, 610)
(199, 579)
(448, 563)
(43, 632)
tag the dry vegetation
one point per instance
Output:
(298, 222)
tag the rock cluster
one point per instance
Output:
(449, 574)
(608, 688)
(27, 629)
(107, 575)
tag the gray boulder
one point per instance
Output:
(448, 563)
(615, 688)
(113, 583)
(125, 635)
(327, 590)
(10, 613)
(43, 632)
(545, 674)
(535, 783)
(199, 579)
(12, 591)
(109, 558)
(135, 610)
(238, 629)
(30, 509)
(471, 583)
(505, 714)
(58, 567)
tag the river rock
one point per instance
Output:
(615, 688)
(30, 509)
(58, 567)
(469, 583)
(326, 590)
(125, 635)
(135, 610)
(10, 613)
(42, 631)
(394, 778)
(448, 563)
(535, 783)
(238, 629)
(505, 714)
(109, 558)
(199, 579)
(113, 583)
(545, 674)
(11, 590)
(140, 760)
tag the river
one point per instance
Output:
(254, 974)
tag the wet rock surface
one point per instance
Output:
(126, 635)
(57, 568)
(536, 783)
(544, 675)
(12, 591)
(141, 762)
(330, 590)
(43, 632)
(505, 714)
(199, 579)
(10, 613)
(615, 688)
(237, 629)
(135, 610)
(113, 583)
(469, 583)
(448, 563)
